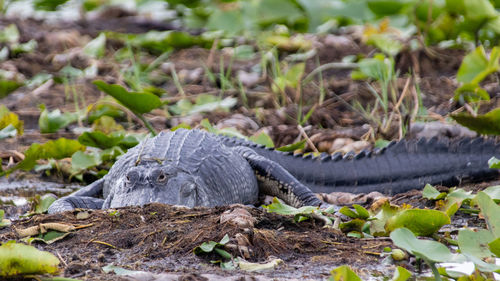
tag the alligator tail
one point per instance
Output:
(399, 167)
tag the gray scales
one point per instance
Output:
(197, 168)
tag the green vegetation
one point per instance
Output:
(274, 62)
(19, 259)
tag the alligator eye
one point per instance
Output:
(162, 177)
(127, 178)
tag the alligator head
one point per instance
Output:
(144, 184)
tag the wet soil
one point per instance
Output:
(159, 238)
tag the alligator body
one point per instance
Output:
(197, 168)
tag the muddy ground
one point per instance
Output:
(160, 239)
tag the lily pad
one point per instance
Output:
(428, 249)
(58, 149)
(494, 163)
(495, 246)
(20, 259)
(3, 222)
(263, 139)
(52, 121)
(292, 147)
(486, 124)
(42, 203)
(475, 243)
(9, 118)
(431, 193)
(422, 222)
(135, 101)
(401, 274)
(490, 211)
(343, 273)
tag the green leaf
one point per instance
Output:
(383, 8)
(377, 226)
(160, 41)
(48, 5)
(42, 203)
(490, 211)
(100, 140)
(386, 44)
(244, 52)
(401, 274)
(343, 273)
(137, 102)
(263, 139)
(476, 65)
(58, 149)
(294, 74)
(378, 68)
(111, 154)
(475, 243)
(355, 225)
(283, 209)
(454, 200)
(493, 192)
(486, 124)
(479, 10)
(51, 122)
(48, 237)
(381, 143)
(224, 240)
(494, 163)
(231, 21)
(361, 213)
(431, 193)
(346, 211)
(208, 247)
(471, 92)
(27, 47)
(494, 246)
(10, 34)
(101, 109)
(19, 259)
(8, 86)
(422, 222)
(292, 147)
(276, 11)
(119, 270)
(9, 131)
(205, 104)
(9, 118)
(97, 47)
(81, 161)
(430, 250)
(3, 222)
(223, 253)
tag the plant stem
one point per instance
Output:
(146, 123)
(434, 269)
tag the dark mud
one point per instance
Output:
(159, 238)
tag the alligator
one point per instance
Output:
(198, 168)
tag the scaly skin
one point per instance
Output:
(196, 168)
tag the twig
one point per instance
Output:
(59, 255)
(104, 243)
(308, 140)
